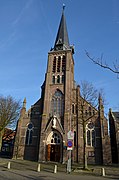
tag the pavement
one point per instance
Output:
(27, 170)
(28, 175)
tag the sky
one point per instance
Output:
(28, 31)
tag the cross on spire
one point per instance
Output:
(63, 7)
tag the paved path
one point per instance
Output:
(32, 175)
(27, 170)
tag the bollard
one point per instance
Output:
(8, 165)
(38, 168)
(55, 169)
(103, 171)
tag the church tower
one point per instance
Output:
(58, 86)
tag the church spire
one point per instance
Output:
(62, 40)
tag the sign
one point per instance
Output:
(69, 145)
(70, 135)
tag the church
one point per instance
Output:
(54, 124)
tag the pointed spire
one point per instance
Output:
(100, 107)
(62, 40)
(24, 103)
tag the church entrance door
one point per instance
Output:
(53, 152)
(54, 148)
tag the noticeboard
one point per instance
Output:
(70, 135)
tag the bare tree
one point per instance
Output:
(89, 95)
(100, 62)
(17, 147)
(86, 97)
(9, 112)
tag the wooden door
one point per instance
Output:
(57, 153)
(53, 153)
(48, 152)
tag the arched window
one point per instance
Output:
(90, 113)
(58, 64)
(63, 78)
(93, 138)
(76, 107)
(75, 138)
(73, 111)
(29, 134)
(86, 113)
(55, 139)
(63, 63)
(93, 112)
(88, 138)
(57, 103)
(58, 79)
(54, 65)
(90, 134)
(53, 79)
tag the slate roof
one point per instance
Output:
(116, 116)
(9, 134)
(62, 39)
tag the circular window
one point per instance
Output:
(30, 126)
(90, 125)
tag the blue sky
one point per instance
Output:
(28, 31)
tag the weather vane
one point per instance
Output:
(63, 6)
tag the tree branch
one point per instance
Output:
(99, 62)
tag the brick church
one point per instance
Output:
(42, 130)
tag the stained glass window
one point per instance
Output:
(57, 103)
(90, 134)
(88, 138)
(55, 139)
(29, 134)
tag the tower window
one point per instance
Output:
(73, 108)
(58, 64)
(58, 79)
(54, 65)
(63, 63)
(53, 79)
(63, 78)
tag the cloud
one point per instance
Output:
(18, 18)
